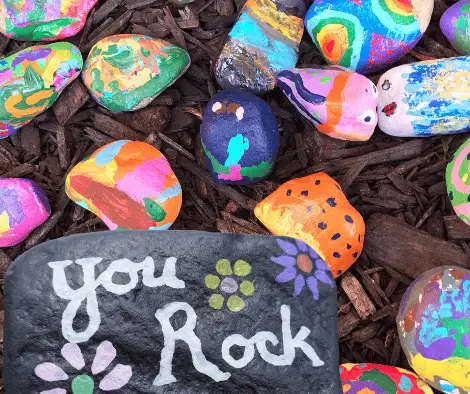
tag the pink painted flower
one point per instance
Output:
(117, 378)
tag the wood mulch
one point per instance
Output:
(397, 184)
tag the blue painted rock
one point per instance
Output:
(264, 41)
(455, 24)
(32, 79)
(142, 312)
(425, 99)
(340, 103)
(23, 207)
(367, 35)
(239, 137)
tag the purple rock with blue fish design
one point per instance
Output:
(23, 207)
(239, 137)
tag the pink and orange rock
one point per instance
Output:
(315, 210)
(23, 207)
(40, 20)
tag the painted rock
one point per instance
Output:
(340, 103)
(380, 379)
(32, 79)
(367, 35)
(239, 137)
(458, 181)
(315, 210)
(455, 24)
(127, 71)
(36, 20)
(128, 185)
(425, 99)
(434, 328)
(170, 312)
(23, 207)
(264, 41)
(181, 2)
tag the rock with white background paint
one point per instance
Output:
(127, 312)
(239, 137)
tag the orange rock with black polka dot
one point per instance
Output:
(315, 210)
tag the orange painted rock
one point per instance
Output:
(315, 210)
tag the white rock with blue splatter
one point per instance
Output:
(426, 99)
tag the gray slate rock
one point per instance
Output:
(145, 312)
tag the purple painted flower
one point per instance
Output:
(302, 265)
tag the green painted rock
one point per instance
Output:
(32, 79)
(126, 72)
(43, 20)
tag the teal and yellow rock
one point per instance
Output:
(32, 79)
(126, 72)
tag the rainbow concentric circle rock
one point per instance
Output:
(434, 328)
(32, 79)
(126, 72)
(43, 20)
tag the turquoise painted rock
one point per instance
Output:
(23, 207)
(264, 41)
(367, 35)
(32, 79)
(126, 72)
(455, 24)
(425, 99)
(239, 137)
(43, 20)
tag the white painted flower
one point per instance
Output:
(85, 384)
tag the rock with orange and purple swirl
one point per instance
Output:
(43, 20)
(264, 40)
(239, 137)
(455, 24)
(23, 207)
(458, 181)
(32, 79)
(434, 328)
(339, 102)
(367, 35)
(380, 379)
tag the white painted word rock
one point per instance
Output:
(170, 312)
(426, 99)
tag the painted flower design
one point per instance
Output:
(228, 282)
(302, 265)
(117, 378)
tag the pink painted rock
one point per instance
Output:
(23, 207)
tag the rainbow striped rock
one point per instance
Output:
(43, 20)
(340, 103)
(127, 71)
(434, 328)
(455, 24)
(380, 379)
(128, 185)
(426, 99)
(23, 207)
(458, 181)
(367, 35)
(32, 79)
(264, 41)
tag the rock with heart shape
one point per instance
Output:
(339, 102)
(32, 79)
(128, 185)
(367, 35)
(455, 24)
(23, 207)
(426, 99)
(315, 210)
(170, 311)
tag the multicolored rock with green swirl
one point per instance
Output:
(455, 24)
(32, 79)
(126, 72)
(43, 20)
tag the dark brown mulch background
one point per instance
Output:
(403, 178)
